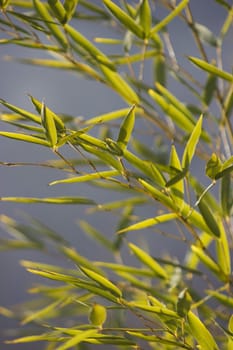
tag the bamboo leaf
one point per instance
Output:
(209, 217)
(120, 85)
(191, 145)
(213, 166)
(49, 125)
(22, 112)
(226, 194)
(223, 249)
(163, 311)
(58, 10)
(51, 200)
(210, 68)
(77, 339)
(25, 138)
(88, 177)
(70, 7)
(145, 17)
(124, 19)
(53, 27)
(183, 303)
(147, 260)
(96, 235)
(170, 17)
(149, 222)
(199, 331)
(126, 129)
(102, 281)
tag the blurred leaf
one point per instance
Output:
(210, 68)
(96, 235)
(222, 298)
(205, 35)
(176, 182)
(124, 19)
(226, 194)
(163, 311)
(58, 10)
(157, 339)
(223, 251)
(145, 16)
(70, 7)
(49, 125)
(210, 89)
(209, 217)
(52, 200)
(147, 260)
(77, 339)
(183, 303)
(198, 330)
(120, 85)
(149, 222)
(160, 70)
(102, 281)
(170, 17)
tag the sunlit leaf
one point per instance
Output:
(88, 177)
(97, 315)
(77, 339)
(210, 68)
(199, 331)
(145, 17)
(25, 138)
(102, 281)
(147, 260)
(51, 200)
(126, 129)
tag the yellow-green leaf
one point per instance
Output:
(210, 68)
(49, 125)
(88, 177)
(126, 129)
(102, 281)
(97, 315)
(124, 19)
(147, 260)
(25, 138)
(51, 200)
(199, 331)
(77, 339)
(145, 17)
(149, 222)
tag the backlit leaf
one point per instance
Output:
(126, 129)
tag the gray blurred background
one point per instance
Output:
(67, 93)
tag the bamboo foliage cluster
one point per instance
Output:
(170, 309)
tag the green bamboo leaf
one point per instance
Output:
(175, 114)
(70, 7)
(77, 339)
(117, 268)
(160, 70)
(120, 85)
(88, 177)
(58, 10)
(25, 138)
(49, 125)
(78, 259)
(102, 281)
(209, 217)
(191, 145)
(210, 89)
(157, 339)
(34, 338)
(126, 129)
(49, 116)
(44, 312)
(210, 68)
(96, 235)
(226, 194)
(223, 249)
(87, 45)
(170, 17)
(125, 19)
(52, 200)
(103, 118)
(176, 182)
(149, 222)
(145, 17)
(48, 20)
(161, 311)
(147, 260)
(199, 331)
(22, 112)
(208, 262)
(222, 298)
(4, 4)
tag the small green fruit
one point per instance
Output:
(97, 315)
